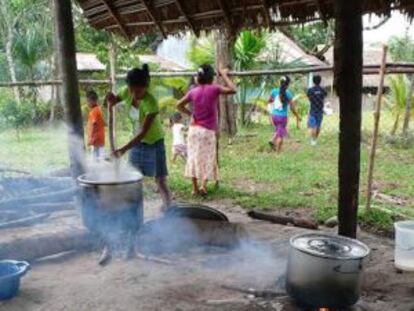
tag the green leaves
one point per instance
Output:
(202, 51)
(248, 46)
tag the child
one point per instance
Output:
(95, 127)
(316, 96)
(147, 148)
(179, 146)
(202, 156)
(281, 99)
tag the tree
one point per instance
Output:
(402, 49)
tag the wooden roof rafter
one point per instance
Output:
(180, 6)
(321, 12)
(151, 12)
(267, 16)
(114, 15)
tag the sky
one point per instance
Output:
(396, 25)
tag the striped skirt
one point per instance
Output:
(202, 154)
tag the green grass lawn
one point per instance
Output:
(302, 177)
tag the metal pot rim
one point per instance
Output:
(83, 180)
(308, 252)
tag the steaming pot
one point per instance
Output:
(325, 271)
(109, 205)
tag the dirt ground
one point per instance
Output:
(195, 280)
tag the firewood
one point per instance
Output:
(57, 196)
(26, 221)
(154, 259)
(265, 293)
(284, 220)
(43, 245)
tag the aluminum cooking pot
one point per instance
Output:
(325, 270)
(112, 203)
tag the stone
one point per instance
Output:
(331, 222)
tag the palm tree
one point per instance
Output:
(397, 99)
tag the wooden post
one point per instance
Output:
(112, 65)
(224, 57)
(70, 88)
(377, 116)
(112, 70)
(408, 106)
(348, 82)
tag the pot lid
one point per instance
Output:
(330, 246)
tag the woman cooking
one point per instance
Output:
(202, 156)
(146, 148)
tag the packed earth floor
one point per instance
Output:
(197, 277)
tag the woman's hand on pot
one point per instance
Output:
(119, 152)
(111, 99)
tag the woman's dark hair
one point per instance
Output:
(205, 74)
(138, 77)
(284, 84)
(317, 79)
(91, 95)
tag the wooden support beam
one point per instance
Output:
(266, 10)
(70, 89)
(348, 82)
(151, 11)
(227, 17)
(116, 19)
(179, 4)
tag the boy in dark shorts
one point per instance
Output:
(316, 95)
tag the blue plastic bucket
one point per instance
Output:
(10, 273)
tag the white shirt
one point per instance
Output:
(178, 134)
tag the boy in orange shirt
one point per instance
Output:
(96, 127)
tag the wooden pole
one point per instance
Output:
(112, 121)
(70, 88)
(224, 58)
(377, 116)
(348, 83)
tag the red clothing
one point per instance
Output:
(96, 127)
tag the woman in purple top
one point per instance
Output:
(202, 156)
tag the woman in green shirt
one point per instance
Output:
(146, 148)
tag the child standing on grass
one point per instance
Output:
(95, 127)
(281, 99)
(316, 96)
(202, 156)
(179, 146)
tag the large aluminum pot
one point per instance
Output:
(325, 271)
(109, 205)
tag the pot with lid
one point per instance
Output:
(325, 270)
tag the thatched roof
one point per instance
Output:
(130, 18)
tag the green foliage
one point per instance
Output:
(247, 48)
(202, 51)
(14, 116)
(402, 48)
(167, 106)
(311, 35)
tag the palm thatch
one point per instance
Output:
(130, 18)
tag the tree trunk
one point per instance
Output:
(67, 60)
(348, 81)
(224, 57)
(56, 89)
(395, 125)
(408, 106)
(11, 64)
